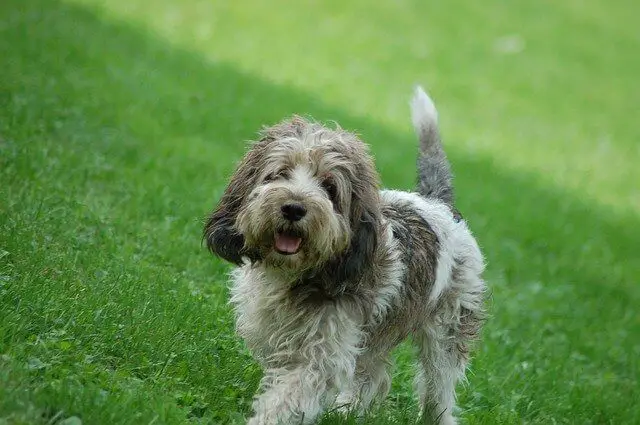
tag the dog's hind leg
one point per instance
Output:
(443, 350)
(440, 370)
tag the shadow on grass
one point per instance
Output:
(556, 264)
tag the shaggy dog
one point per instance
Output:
(333, 272)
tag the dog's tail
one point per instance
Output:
(435, 179)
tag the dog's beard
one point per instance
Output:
(294, 247)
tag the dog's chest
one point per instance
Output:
(271, 320)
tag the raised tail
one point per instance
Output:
(435, 179)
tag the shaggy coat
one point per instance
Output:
(333, 272)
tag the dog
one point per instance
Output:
(333, 272)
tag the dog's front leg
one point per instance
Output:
(290, 396)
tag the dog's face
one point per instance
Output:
(295, 214)
(303, 197)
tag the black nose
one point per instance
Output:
(293, 212)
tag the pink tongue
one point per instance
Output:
(288, 244)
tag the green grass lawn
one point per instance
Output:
(120, 121)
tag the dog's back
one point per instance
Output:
(434, 171)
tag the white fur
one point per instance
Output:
(449, 233)
(437, 376)
(323, 344)
(307, 354)
(423, 110)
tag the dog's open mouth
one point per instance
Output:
(287, 243)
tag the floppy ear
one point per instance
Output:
(360, 254)
(345, 270)
(222, 238)
(365, 217)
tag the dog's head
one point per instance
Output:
(303, 200)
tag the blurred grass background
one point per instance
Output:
(121, 120)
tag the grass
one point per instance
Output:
(120, 121)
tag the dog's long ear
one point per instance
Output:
(365, 220)
(351, 265)
(219, 231)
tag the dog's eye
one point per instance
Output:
(329, 186)
(281, 174)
